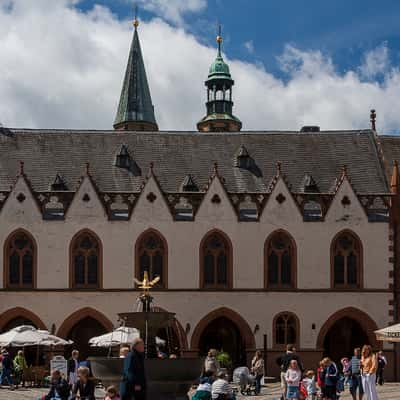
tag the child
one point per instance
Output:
(309, 382)
(293, 377)
(112, 393)
(321, 379)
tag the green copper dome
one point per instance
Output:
(219, 69)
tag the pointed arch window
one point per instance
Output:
(86, 259)
(151, 256)
(280, 261)
(346, 261)
(20, 261)
(286, 329)
(216, 262)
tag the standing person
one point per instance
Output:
(293, 378)
(355, 375)
(72, 367)
(84, 387)
(59, 387)
(257, 368)
(220, 389)
(6, 372)
(133, 385)
(321, 379)
(310, 384)
(284, 362)
(19, 366)
(345, 369)
(331, 376)
(368, 368)
(381, 366)
(211, 363)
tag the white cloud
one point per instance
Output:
(249, 46)
(375, 62)
(173, 10)
(63, 68)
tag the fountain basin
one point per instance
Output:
(168, 379)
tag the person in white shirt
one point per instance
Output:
(220, 389)
(293, 377)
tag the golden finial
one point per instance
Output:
(136, 20)
(146, 284)
(219, 39)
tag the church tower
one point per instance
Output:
(219, 104)
(135, 110)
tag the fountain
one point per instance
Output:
(167, 379)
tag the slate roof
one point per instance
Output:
(390, 146)
(178, 154)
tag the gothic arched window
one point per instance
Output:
(86, 259)
(151, 256)
(346, 261)
(286, 329)
(20, 261)
(216, 262)
(280, 261)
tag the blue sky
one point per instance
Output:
(342, 29)
(294, 62)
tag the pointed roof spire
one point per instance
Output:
(135, 110)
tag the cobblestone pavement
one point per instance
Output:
(390, 391)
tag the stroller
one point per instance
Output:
(245, 380)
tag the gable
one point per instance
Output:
(86, 203)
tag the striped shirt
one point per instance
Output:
(355, 365)
(221, 386)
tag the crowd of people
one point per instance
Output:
(360, 375)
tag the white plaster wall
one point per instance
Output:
(313, 239)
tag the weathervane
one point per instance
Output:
(219, 38)
(136, 20)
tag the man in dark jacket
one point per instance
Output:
(58, 386)
(284, 362)
(72, 367)
(133, 385)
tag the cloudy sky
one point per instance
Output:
(294, 62)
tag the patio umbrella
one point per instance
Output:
(121, 335)
(389, 334)
(26, 335)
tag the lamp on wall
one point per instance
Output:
(187, 328)
(256, 329)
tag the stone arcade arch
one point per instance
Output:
(81, 326)
(227, 326)
(344, 330)
(17, 315)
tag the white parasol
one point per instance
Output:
(389, 334)
(121, 335)
(26, 335)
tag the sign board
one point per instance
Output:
(60, 363)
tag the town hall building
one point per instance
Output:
(259, 238)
